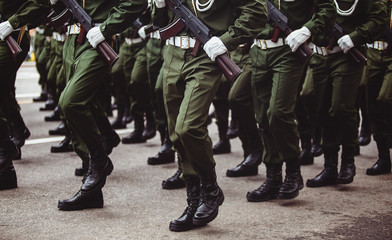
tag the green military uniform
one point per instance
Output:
(9, 109)
(276, 76)
(378, 82)
(336, 78)
(190, 84)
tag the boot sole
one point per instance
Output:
(271, 197)
(65, 207)
(242, 174)
(292, 195)
(8, 180)
(203, 222)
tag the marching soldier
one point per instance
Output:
(336, 77)
(276, 75)
(190, 83)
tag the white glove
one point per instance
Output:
(5, 29)
(53, 2)
(298, 37)
(160, 3)
(94, 36)
(345, 43)
(142, 32)
(214, 47)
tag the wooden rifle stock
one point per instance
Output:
(107, 52)
(13, 46)
(229, 68)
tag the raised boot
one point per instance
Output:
(151, 129)
(165, 154)
(211, 198)
(82, 170)
(347, 168)
(383, 164)
(100, 166)
(7, 171)
(293, 181)
(329, 174)
(174, 182)
(365, 134)
(82, 200)
(109, 141)
(249, 166)
(270, 188)
(8, 178)
(185, 221)
(19, 131)
(306, 157)
(59, 130)
(232, 131)
(65, 145)
(223, 145)
(55, 116)
(136, 135)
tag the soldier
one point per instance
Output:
(276, 75)
(86, 73)
(336, 77)
(379, 94)
(13, 16)
(190, 83)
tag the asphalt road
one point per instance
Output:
(136, 207)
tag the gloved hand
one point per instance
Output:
(94, 36)
(214, 47)
(345, 43)
(53, 2)
(5, 29)
(142, 32)
(160, 3)
(298, 37)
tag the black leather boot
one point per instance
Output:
(249, 166)
(223, 145)
(270, 188)
(329, 174)
(18, 154)
(293, 181)
(83, 170)
(82, 200)
(306, 157)
(19, 131)
(118, 122)
(55, 116)
(59, 130)
(64, 146)
(50, 105)
(365, 135)
(109, 141)
(8, 178)
(185, 222)
(383, 164)
(211, 198)
(347, 168)
(127, 116)
(100, 166)
(232, 131)
(136, 135)
(316, 150)
(174, 182)
(151, 129)
(42, 97)
(165, 154)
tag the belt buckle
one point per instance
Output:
(380, 45)
(324, 51)
(263, 44)
(184, 42)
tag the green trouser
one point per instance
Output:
(136, 75)
(54, 70)
(241, 101)
(86, 73)
(189, 86)
(336, 79)
(42, 61)
(120, 83)
(276, 74)
(378, 74)
(39, 45)
(8, 69)
(154, 69)
(221, 105)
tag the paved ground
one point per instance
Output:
(137, 208)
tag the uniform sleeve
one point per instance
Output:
(31, 12)
(122, 16)
(375, 25)
(252, 19)
(323, 17)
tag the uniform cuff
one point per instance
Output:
(14, 22)
(229, 42)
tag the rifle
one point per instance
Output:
(12, 45)
(202, 32)
(336, 33)
(60, 21)
(304, 53)
(78, 13)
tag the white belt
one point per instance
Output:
(183, 42)
(323, 50)
(131, 41)
(265, 44)
(75, 28)
(58, 37)
(39, 30)
(379, 45)
(155, 35)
